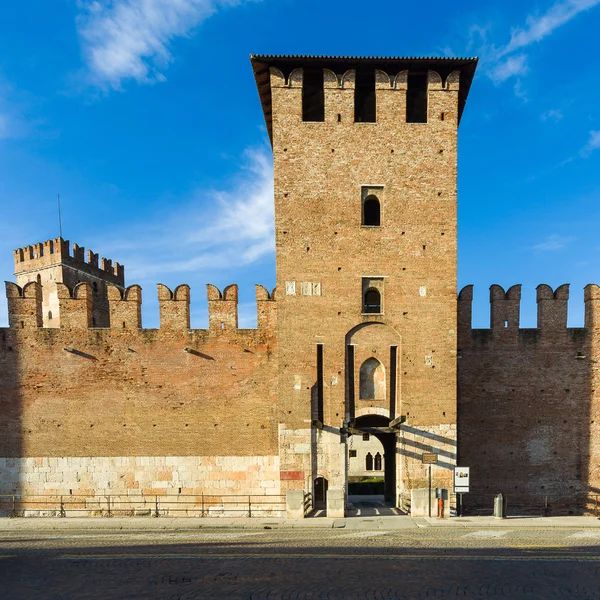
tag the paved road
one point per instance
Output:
(409, 564)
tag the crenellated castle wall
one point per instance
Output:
(528, 421)
(123, 409)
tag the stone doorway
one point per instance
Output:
(372, 466)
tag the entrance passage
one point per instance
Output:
(372, 463)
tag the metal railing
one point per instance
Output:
(197, 505)
(484, 506)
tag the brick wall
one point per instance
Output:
(527, 403)
(131, 392)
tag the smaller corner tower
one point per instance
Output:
(53, 262)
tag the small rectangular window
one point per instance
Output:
(416, 98)
(313, 95)
(372, 295)
(366, 437)
(365, 110)
(352, 453)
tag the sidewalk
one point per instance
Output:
(381, 523)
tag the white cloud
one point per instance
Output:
(216, 230)
(553, 115)
(512, 66)
(538, 27)
(130, 39)
(553, 242)
(592, 144)
(504, 62)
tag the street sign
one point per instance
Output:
(461, 480)
(429, 458)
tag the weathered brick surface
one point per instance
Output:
(129, 392)
(527, 402)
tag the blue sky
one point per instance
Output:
(143, 115)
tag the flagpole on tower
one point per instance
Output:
(59, 218)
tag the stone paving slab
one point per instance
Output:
(358, 523)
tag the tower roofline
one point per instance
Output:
(392, 65)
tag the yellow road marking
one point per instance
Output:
(554, 557)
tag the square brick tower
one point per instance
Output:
(365, 155)
(51, 263)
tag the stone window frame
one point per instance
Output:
(376, 282)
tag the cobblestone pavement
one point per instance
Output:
(540, 563)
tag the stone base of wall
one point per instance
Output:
(227, 486)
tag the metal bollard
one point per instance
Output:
(500, 506)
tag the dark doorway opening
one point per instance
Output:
(374, 470)
(321, 485)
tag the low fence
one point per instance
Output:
(180, 505)
(545, 507)
(483, 505)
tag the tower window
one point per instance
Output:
(313, 95)
(416, 98)
(371, 212)
(372, 302)
(372, 295)
(377, 462)
(364, 97)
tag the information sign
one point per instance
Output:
(461, 480)
(429, 458)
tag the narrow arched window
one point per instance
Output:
(372, 380)
(378, 462)
(371, 212)
(372, 303)
(369, 462)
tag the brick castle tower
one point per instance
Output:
(51, 263)
(365, 167)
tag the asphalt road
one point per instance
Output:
(540, 563)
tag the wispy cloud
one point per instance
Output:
(553, 242)
(502, 62)
(592, 144)
(130, 39)
(215, 230)
(540, 26)
(511, 67)
(553, 115)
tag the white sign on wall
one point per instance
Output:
(461, 480)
